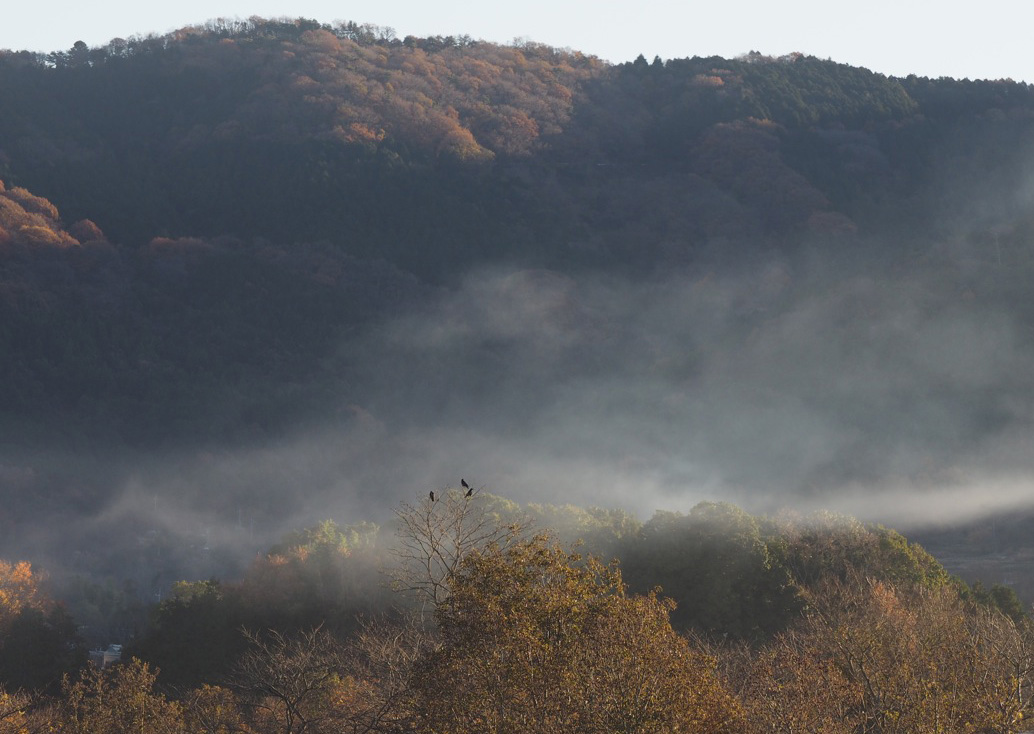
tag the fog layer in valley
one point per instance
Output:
(783, 382)
(788, 384)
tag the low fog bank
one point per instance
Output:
(808, 383)
(902, 394)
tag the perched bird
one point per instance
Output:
(469, 492)
(432, 495)
(463, 483)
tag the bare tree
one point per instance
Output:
(433, 536)
(313, 683)
(213, 710)
(383, 656)
(287, 680)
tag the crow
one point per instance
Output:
(432, 495)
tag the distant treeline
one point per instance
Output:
(296, 132)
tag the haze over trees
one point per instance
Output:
(258, 273)
(527, 635)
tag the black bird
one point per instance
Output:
(470, 490)
(432, 495)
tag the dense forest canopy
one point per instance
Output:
(254, 274)
(316, 131)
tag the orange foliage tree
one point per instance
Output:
(870, 656)
(537, 639)
(38, 639)
(31, 220)
(19, 589)
(122, 698)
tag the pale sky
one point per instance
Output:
(976, 40)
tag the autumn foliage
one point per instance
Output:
(19, 589)
(276, 189)
(38, 639)
(871, 657)
(536, 639)
(28, 221)
(528, 636)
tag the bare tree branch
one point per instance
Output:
(434, 536)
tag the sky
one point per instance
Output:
(900, 37)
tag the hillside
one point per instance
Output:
(252, 273)
(340, 145)
(316, 132)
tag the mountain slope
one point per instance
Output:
(263, 269)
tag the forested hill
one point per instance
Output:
(212, 237)
(254, 181)
(439, 153)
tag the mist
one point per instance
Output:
(898, 392)
(785, 385)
